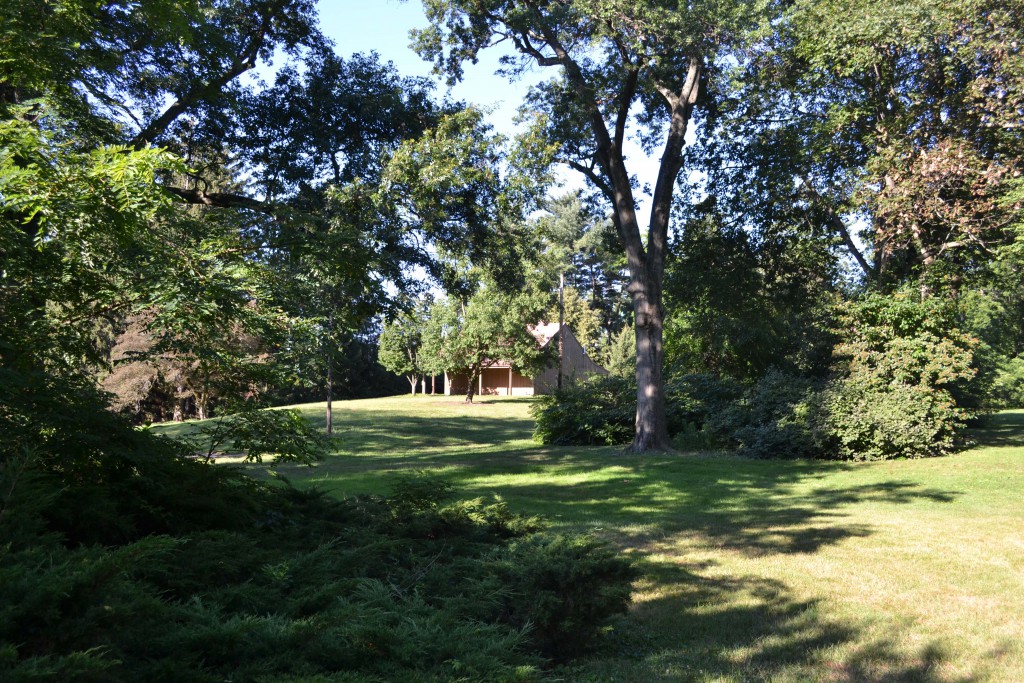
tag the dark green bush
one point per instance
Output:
(904, 384)
(603, 410)
(562, 590)
(125, 558)
(778, 417)
(599, 411)
(368, 588)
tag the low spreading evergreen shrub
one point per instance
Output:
(562, 589)
(125, 558)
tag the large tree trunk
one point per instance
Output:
(651, 422)
(412, 380)
(471, 390)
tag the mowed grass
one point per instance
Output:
(752, 570)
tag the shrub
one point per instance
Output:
(867, 422)
(284, 434)
(599, 411)
(123, 558)
(778, 417)
(562, 590)
(603, 410)
(906, 378)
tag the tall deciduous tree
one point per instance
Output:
(616, 58)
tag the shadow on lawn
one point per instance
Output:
(645, 502)
(1002, 429)
(747, 629)
(695, 624)
(403, 437)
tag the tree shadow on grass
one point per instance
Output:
(389, 438)
(1002, 429)
(748, 628)
(690, 622)
(752, 507)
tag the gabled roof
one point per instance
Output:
(544, 332)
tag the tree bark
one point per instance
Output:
(651, 421)
(329, 415)
(227, 200)
(474, 377)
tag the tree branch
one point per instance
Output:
(243, 63)
(225, 200)
(837, 224)
(671, 163)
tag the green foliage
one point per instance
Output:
(399, 348)
(742, 304)
(598, 411)
(583, 319)
(620, 354)
(283, 434)
(907, 380)
(904, 385)
(1008, 385)
(601, 411)
(868, 422)
(778, 417)
(451, 186)
(562, 590)
(490, 327)
(202, 574)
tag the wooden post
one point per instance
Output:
(510, 379)
(480, 384)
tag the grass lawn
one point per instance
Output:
(753, 570)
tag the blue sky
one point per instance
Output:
(384, 25)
